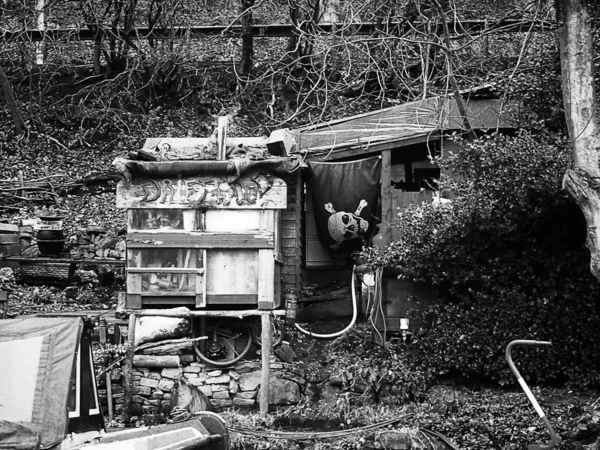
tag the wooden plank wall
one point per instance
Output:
(292, 245)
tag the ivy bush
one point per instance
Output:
(508, 255)
(387, 374)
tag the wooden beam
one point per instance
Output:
(200, 240)
(158, 361)
(386, 196)
(205, 313)
(165, 270)
(222, 138)
(191, 298)
(459, 28)
(266, 289)
(373, 148)
(109, 395)
(298, 214)
(128, 367)
(266, 340)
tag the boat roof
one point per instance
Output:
(37, 354)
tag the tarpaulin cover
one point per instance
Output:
(16, 436)
(36, 362)
(345, 201)
(164, 169)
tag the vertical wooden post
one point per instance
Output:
(266, 288)
(127, 368)
(222, 138)
(3, 304)
(40, 47)
(22, 181)
(266, 341)
(387, 215)
(299, 201)
(109, 397)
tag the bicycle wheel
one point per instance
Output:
(229, 340)
(276, 332)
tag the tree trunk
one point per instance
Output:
(577, 67)
(292, 46)
(11, 103)
(247, 39)
(167, 361)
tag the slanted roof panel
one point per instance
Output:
(398, 123)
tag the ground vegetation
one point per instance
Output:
(507, 251)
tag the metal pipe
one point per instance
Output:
(529, 394)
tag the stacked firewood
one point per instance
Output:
(52, 188)
(96, 243)
(91, 243)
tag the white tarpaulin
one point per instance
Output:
(18, 378)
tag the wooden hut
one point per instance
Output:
(404, 137)
(208, 233)
(194, 238)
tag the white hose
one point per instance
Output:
(350, 325)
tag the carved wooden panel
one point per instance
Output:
(262, 191)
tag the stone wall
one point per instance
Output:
(237, 386)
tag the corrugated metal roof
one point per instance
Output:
(406, 122)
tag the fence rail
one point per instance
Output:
(274, 30)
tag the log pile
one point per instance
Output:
(94, 243)
(52, 187)
(85, 244)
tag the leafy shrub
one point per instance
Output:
(388, 374)
(507, 254)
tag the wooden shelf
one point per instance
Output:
(205, 313)
(200, 240)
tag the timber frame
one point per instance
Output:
(405, 137)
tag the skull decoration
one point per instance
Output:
(344, 226)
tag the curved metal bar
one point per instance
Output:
(529, 394)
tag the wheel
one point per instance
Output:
(276, 332)
(229, 340)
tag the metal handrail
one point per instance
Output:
(529, 394)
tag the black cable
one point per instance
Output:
(439, 436)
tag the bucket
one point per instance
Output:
(50, 236)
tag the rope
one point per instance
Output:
(241, 165)
(300, 436)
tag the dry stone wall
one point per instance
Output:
(238, 386)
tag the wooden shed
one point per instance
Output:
(209, 233)
(404, 137)
(217, 250)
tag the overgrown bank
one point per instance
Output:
(506, 249)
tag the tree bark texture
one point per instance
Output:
(11, 103)
(247, 39)
(157, 361)
(577, 67)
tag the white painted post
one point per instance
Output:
(222, 138)
(40, 46)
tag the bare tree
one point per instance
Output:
(579, 97)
